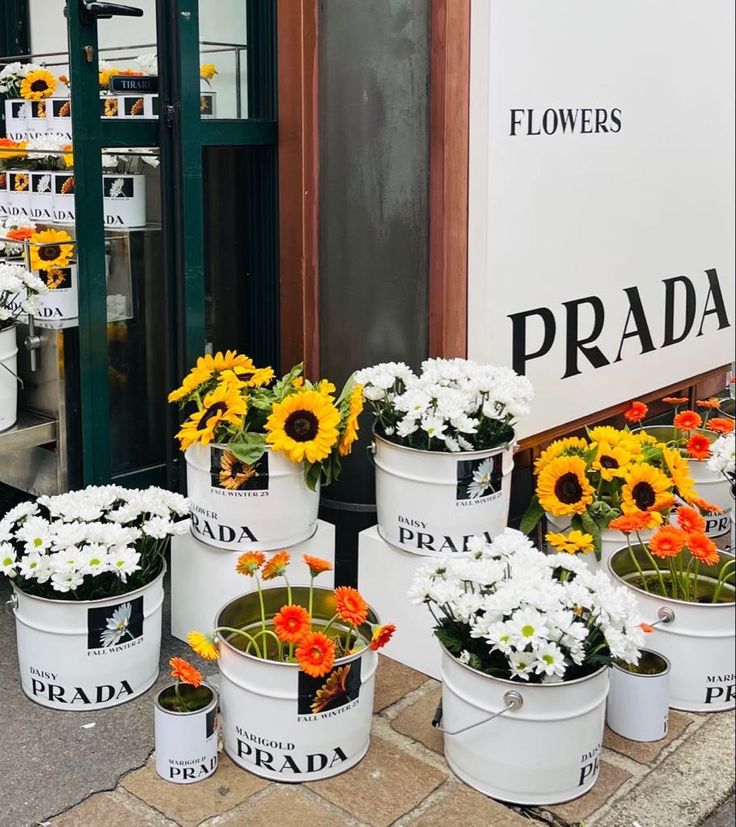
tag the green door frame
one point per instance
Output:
(182, 135)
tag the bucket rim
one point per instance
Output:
(666, 671)
(124, 596)
(519, 684)
(506, 446)
(338, 662)
(214, 700)
(623, 549)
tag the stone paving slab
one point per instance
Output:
(646, 752)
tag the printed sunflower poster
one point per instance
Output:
(330, 692)
(232, 474)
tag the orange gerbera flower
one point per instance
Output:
(637, 411)
(687, 421)
(720, 425)
(249, 562)
(183, 671)
(291, 623)
(703, 548)
(315, 654)
(276, 566)
(705, 506)
(351, 607)
(689, 520)
(381, 636)
(20, 233)
(669, 541)
(317, 565)
(636, 521)
(698, 446)
(711, 403)
(675, 400)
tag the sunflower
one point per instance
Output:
(611, 462)
(103, 78)
(183, 671)
(230, 360)
(573, 542)
(68, 156)
(20, 184)
(291, 623)
(222, 406)
(562, 487)
(207, 71)
(679, 471)
(110, 107)
(54, 278)
(234, 473)
(203, 645)
(316, 654)
(572, 444)
(335, 686)
(38, 84)
(350, 429)
(644, 489)
(48, 251)
(303, 426)
(193, 380)
(260, 378)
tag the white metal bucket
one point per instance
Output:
(59, 116)
(272, 508)
(610, 541)
(62, 302)
(8, 378)
(638, 704)
(186, 742)
(274, 723)
(18, 193)
(66, 662)
(543, 745)
(25, 119)
(42, 196)
(124, 199)
(63, 202)
(433, 502)
(698, 639)
(3, 195)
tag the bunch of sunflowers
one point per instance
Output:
(611, 473)
(249, 410)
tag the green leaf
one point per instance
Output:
(590, 526)
(249, 448)
(312, 473)
(533, 515)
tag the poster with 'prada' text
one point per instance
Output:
(601, 196)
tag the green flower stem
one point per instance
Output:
(311, 597)
(179, 700)
(260, 600)
(636, 562)
(272, 634)
(242, 633)
(288, 589)
(348, 636)
(331, 621)
(725, 573)
(653, 562)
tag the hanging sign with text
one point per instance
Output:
(601, 197)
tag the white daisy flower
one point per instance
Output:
(117, 626)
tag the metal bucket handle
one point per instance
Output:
(512, 699)
(11, 605)
(14, 375)
(370, 451)
(665, 615)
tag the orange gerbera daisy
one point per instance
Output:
(291, 623)
(636, 521)
(249, 562)
(689, 520)
(276, 566)
(710, 404)
(351, 607)
(381, 636)
(315, 654)
(705, 506)
(698, 446)
(720, 425)
(20, 233)
(703, 548)
(669, 541)
(675, 400)
(687, 421)
(183, 671)
(317, 565)
(637, 411)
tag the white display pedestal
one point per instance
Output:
(385, 574)
(203, 578)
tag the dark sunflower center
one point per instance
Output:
(216, 409)
(643, 495)
(50, 252)
(236, 468)
(301, 426)
(609, 462)
(39, 86)
(568, 489)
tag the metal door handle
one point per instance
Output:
(106, 10)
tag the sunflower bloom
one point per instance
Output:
(276, 566)
(303, 426)
(381, 636)
(260, 378)
(687, 421)
(703, 548)
(669, 541)
(222, 406)
(315, 654)
(573, 542)
(316, 565)
(569, 445)
(350, 430)
(645, 488)
(203, 645)
(720, 425)
(183, 671)
(207, 71)
(249, 562)
(689, 519)
(563, 488)
(611, 462)
(628, 523)
(291, 623)
(351, 607)
(698, 446)
(49, 250)
(38, 84)
(636, 412)
(679, 471)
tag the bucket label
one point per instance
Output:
(589, 767)
(18, 109)
(721, 689)
(283, 756)
(192, 769)
(118, 187)
(331, 695)
(717, 524)
(57, 278)
(479, 480)
(49, 686)
(417, 534)
(18, 182)
(114, 628)
(206, 524)
(231, 476)
(61, 108)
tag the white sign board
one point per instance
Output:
(601, 196)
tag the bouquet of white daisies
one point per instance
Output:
(512, 612)
(452, 405)
(99, 542)
(20, 292)
(723, 457)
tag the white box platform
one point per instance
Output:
(385, 574)
(203, 578)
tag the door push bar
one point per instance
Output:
(92, 9)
